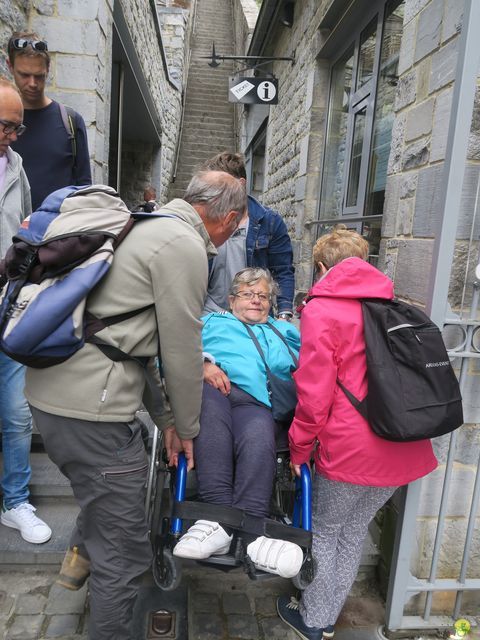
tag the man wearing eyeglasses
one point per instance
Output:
(54, 148)
(16, 511)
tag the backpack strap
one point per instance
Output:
(69, 122)
(116, 354)
(94, 325)
(360, 405)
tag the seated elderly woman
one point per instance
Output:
(235, 449)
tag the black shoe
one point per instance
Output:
(288, 611)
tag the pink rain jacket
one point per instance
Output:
(333, 346)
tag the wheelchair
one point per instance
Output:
(169, 510)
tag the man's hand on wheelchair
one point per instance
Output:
(214, 376)
(296, 469)
(175, 445)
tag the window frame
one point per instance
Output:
(366, 95)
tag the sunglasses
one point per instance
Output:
(9, 127)
(22, 43)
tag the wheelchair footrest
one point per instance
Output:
(241, 521)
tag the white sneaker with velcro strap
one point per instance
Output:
(276, 556)
(202, 540)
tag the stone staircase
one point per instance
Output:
(208, 117)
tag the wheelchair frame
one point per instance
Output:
(166, 521)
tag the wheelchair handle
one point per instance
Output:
(302, 509)
(180, 486)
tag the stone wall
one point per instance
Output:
(166, 96)
(13, 17)
(80, 36)
(174, 23)
(427, 67)
(428, 58)
(294, 159)
(294, 146)
(79, 39)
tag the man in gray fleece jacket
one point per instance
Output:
(15, 205)
(85, 407)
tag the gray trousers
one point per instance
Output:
(341, 513)
(107, 465)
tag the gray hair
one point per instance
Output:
(219, 191)
(252, 275)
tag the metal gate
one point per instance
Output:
(465, 352)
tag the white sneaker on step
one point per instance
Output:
(276, 556)
(23, 518)
(202, 540)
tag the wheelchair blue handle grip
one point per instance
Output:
(302, 509)
(180, 486)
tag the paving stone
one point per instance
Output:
(236, 603)
(206, 626)
(275, 629)
(266, 606)
(25, 628)
(29, 604)
(242, 626)
(354, 634)
(62, 625)
(206, 602)
(6, 603)
(62, 600)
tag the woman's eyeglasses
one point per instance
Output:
(250, 295)
(22, 43)
(9, 127)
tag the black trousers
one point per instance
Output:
(107, 466)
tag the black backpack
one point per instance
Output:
(413, 392)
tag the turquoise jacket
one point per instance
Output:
(226, 339)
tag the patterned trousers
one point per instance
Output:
(341, 513)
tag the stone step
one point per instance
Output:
(60, 514)
(202, 104)
(206, 94)
(206, 119)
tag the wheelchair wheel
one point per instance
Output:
(300, 582)
(166, 569)
(305, 575)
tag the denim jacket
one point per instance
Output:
(269, 247)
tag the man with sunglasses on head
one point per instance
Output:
(16, 511)
(54, 148)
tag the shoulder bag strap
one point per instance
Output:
(284, 340)
(257, 345)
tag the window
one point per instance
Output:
(359, 126)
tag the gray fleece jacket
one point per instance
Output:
(162, 261)
(15, 202)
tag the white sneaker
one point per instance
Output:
(202, 540)
(276, 556)
(23, 518)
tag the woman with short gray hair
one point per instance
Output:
(235, 450)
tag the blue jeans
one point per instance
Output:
(16, 432)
